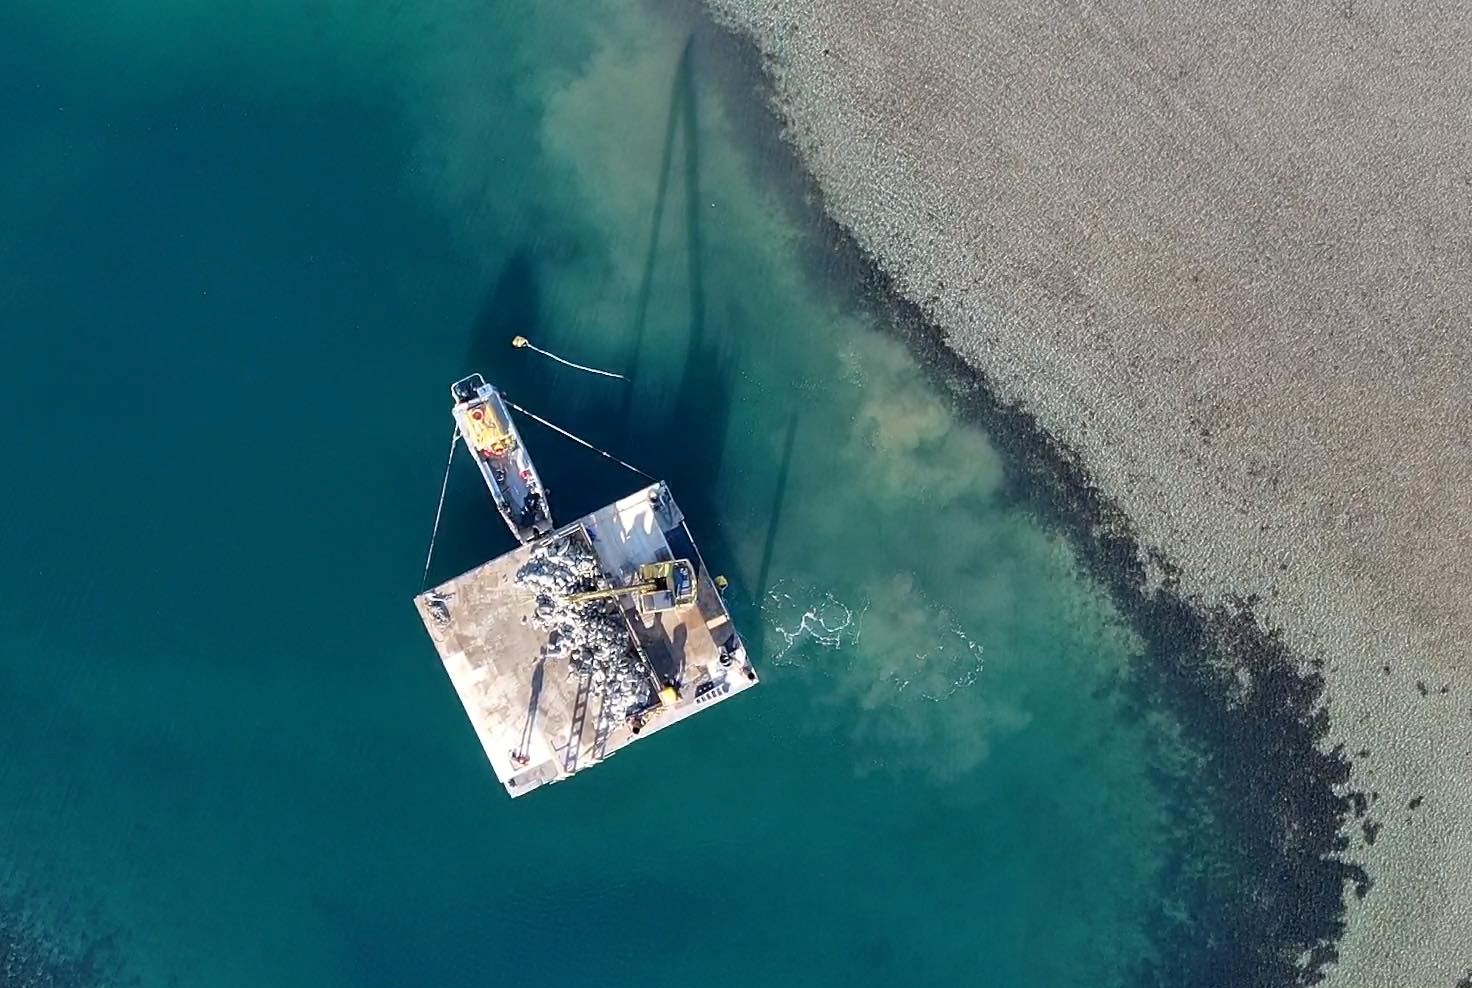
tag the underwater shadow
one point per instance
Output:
(512, 307)
(470, 530)
(700, 409)
(784, 472)
(656, 223)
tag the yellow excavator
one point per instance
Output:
(657, 587)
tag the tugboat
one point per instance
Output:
(485, 424)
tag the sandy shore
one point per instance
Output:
(1224, 255)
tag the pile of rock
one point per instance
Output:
(591, 636)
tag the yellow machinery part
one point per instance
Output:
(486, 432)
(669, 696)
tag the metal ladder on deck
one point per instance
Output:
(600, 736)
(579, 716)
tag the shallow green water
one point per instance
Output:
(244, 255)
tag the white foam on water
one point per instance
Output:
(826, 622)
(822, 633)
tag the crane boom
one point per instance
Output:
(675, 577)
(606, 593)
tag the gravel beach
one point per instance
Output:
(1224, 254)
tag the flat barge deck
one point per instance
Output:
(544, 702)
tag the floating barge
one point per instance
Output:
(589, 636)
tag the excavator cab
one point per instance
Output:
(676, 578)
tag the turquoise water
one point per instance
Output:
(243, 255)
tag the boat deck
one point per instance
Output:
(510, 476)
(537, 720)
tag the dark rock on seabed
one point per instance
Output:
(1256, 710)
(31, 957)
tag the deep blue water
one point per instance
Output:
(242, 256)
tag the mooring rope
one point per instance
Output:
(523, 342)
(578, 440)
(444, 486)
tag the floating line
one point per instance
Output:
(444, 486)
(576, 439)
(522, 341)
